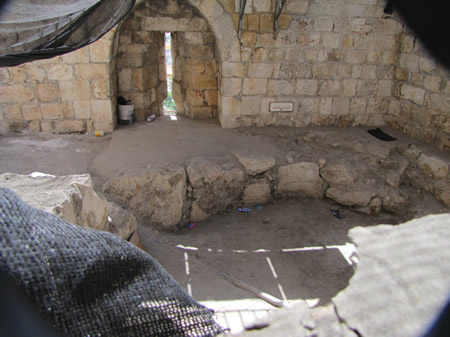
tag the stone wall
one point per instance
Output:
(195, 74)
(340, 62)
(420, 103)
(65, 94)
(371, 178)
(141, 69)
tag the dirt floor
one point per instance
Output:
(292, 249)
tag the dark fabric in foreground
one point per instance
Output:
(33, 30)
(91, 283)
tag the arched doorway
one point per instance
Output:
(140, 66)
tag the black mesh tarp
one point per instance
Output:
(36, 29)
(91, 283)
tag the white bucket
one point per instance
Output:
(126, 112)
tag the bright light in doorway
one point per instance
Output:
(173, 117)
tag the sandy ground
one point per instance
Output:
(294, 249)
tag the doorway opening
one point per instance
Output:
(170, 108)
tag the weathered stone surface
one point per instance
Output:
(327, 323)
(300, 179)
(405, 270)
(155, 192)
(120, 221)
(442, 193)
(413, 152)
(432, 166)
(215, 183)
(339, 174)
(72, 198)
(350, 197)
(254, 163)
(393, 179)
(377, 150)
(197, 213)
(395, 202)
(257, 193)
(374, 207)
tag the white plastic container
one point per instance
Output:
(126, 112)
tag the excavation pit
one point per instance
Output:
(294, 247)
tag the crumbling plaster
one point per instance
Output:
(342, 63)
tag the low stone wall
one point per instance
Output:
(169, 195)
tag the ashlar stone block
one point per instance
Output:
(101, 110)
(51, 111)
(92, 71)
(16, 93)
(432, 83)
(280, 87)
(100, 89)
(75, 90)
(231, 69)
(255, 86)
(384, 88)
(211, 97)
(307, 87)
(300, 178)
(231, 86)
(46, 93)
(417, 95)
(297, 7)
(257, 193)
(70, 126)
(31, 112)
(261, 70)
(12, 112)
(253, 22)
(60, 72)
(82, 109)
(261, 5)
(340, 106)
(100, 51)
(251, 106)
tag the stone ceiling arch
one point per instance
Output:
(222, 26)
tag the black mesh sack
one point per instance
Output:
(91, 283)
(38, 29)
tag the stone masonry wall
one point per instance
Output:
(195, 74)
(420, 103)
(340, 62)
(141, 69)
(65, 94)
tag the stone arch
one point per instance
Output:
(222, 26)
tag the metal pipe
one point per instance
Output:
(243, 3)
(278, 9)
